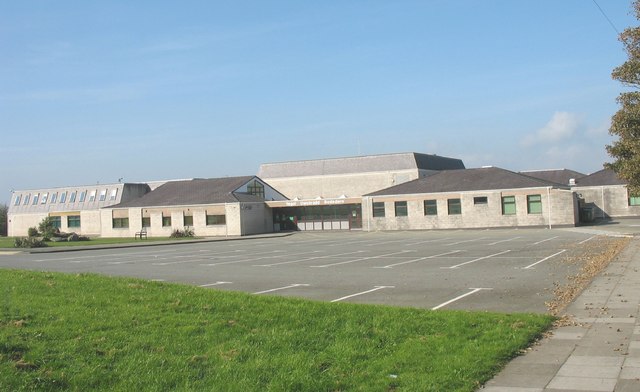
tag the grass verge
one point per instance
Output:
(89, 332)
(7, 242)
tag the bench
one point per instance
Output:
(142, 233)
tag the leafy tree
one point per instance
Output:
(47, 228)
(4, 212)
(625, 124)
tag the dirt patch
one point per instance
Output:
(593, 257)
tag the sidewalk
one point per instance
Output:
(601, 352)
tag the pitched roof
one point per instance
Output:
(482, 179)
(559, 176)
(194, 192)
(360, 164)
(599, 178)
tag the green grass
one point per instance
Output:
(88, 332)
(7, 242)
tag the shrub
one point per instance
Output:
(32, 232)
(29, 242)
(187, 232)
(47, 228)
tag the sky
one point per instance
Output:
(98, 91)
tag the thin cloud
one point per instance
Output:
(562, 126)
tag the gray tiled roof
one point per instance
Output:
(559, 176)
(483, 179)
(194, 192)
(361, 164)
(600, 178)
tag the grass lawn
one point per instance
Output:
(7, 242)
(89, 332)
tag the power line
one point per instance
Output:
(606, 17)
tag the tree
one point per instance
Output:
(4, 212)
(625, 124)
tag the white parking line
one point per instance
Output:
(424, 242)
(214, 284)
(499, 242)
(360, 259)
(364, 292)
(420, 259)
(545, 259)
(281, 288)
(588, 239)
(462, 242)
(473, 291)
(259, 258)
(307, 259)
(548, 239)
(478, 259)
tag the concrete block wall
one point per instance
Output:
(608, 201)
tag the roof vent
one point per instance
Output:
(572, 182)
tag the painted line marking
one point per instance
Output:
(9, 253)
(473, 291)
(282, 288)
(420, 259)
(214, 284)
(360, 259)
(307, 259)
(545, 259)
(548, 239)
(587, 240)
(424, 242)
(376, 288)
(462, 242)
(478, 259)
(499, 242)
(260, 258)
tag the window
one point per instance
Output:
(73, 221)
(480, 200)
(72, 198)
(55, 221)
(166, 221)
(92, 196)
(114, 193)
(146, 222)
(17, 201)
(634, 200)
(454, 206)
(120, 223)
(35, 198)
(508, 205)
(44, 198)
(378, 209)
(83, 195)
(534, 204)
(400, 208)
(54, 197)
(103, 195)
(216, 220)
(26, 199)
(63, 197)
(430, 207)
(256, 188)
(188, 220)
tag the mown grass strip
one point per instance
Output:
(89, 332)
(8, 242)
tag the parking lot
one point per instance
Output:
(494, 270)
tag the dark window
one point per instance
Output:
(454, 206)
(430, 207)
(256, 188)
(17, 201)
(55, 221)
(83, 195)
(54, 197)
(73, 221)
(216, 220)
(63, 197)
(146, 222)
(120, 223)
(480, 200)
(400, 208)
(166, 221)
(378, 209)
(188, 220)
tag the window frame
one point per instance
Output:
(120, 223)
(190, 223)
(215, 219)
(83, 196)
(430, 207)
(17, 200)
(509, 202)
(378, 209)
(400, 208)
(166, 221)
(54, 197)
(56, 221)
(454, 206)
(72, 219)
(531, 203)
(633, 200)
(480, 200)
(146, 221)
(103, 195)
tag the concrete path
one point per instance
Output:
(601, 352)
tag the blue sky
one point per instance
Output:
(147, 90)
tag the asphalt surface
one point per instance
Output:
(502, 270)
